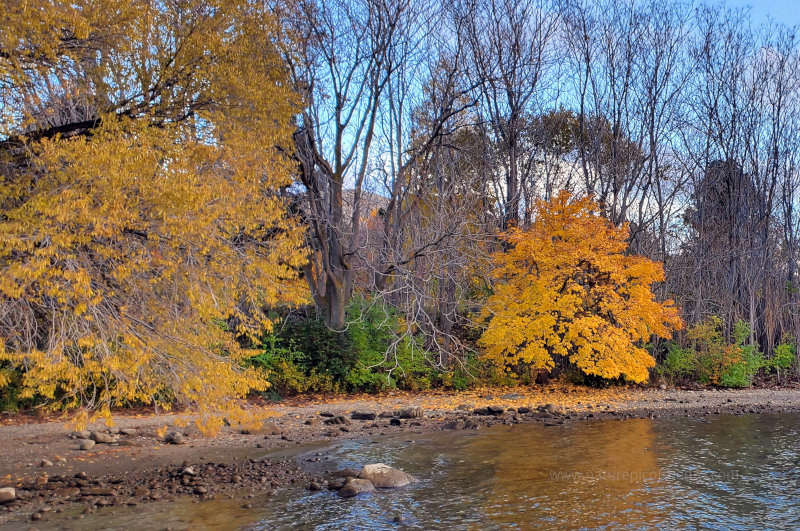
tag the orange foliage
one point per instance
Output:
(568, 289)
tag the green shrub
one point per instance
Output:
(11, 391)
(320, 348)
(710, 359)
(679, 363)
(783, 355)
(287, 371)
(385, 358)
(371, 355)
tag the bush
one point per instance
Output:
(710, 359)
(286, 367)
(741, 362)
(384, 357)
(679, 364)
(371, 355)
(11, 388)
(320, 348)
(783, 356)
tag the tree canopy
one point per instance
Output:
(567, 289)
(144, 232)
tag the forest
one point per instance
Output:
(201, 200)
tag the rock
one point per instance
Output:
(88, 444)
(395, 422)
(45, 463)
(175, 438)
(481, 411)
(314, 486)
(398, 518)
(7, 494)
(128, 431)
(663, 387)
(363, 415)
(555, 410)
(326, 414)
(522, 410)
(340, 420)
(385, 477)
(313, 422)
(270, 428)
(456, 425)
(105, 438)
(200, 489)
(188, 471)
(386, 415)
(496, 410)
(82, 434)
(36, 516)
(346, 473)
(355, 486)
(511, 396)
(412, 413)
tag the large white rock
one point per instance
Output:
(385, 477)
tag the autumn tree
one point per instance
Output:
(567, 290)
(142, 225)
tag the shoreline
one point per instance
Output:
(50, 474)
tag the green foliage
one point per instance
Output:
(321, 348)
(783, 355)
(286, 367)
(709, 358)
(679, 364)
(371, 355)
(384, 359)
(11, 398)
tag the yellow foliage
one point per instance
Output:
(566, 288)
(143, 232)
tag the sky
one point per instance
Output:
(783, 11)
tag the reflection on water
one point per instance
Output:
(727, 473)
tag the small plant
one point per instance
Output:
(679, 364)
(710, 359)
(784, 356)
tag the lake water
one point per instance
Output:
(730, 472)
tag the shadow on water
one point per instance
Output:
(731, 472)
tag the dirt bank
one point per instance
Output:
(44, 462)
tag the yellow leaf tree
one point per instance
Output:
(567, 289)
(143, 227)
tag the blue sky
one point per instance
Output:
(784, 11)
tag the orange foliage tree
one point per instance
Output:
(143, 228)
(568, 289)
